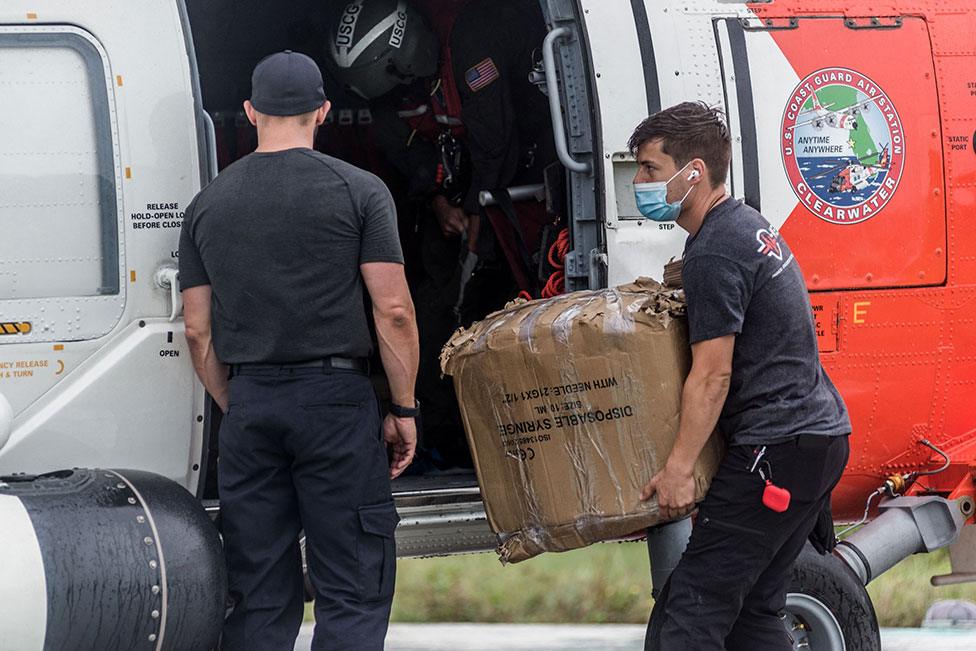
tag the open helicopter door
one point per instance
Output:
(105, 143)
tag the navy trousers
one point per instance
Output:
(730, 585)
(301, 448)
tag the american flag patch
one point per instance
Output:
(481, 75)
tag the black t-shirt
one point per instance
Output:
(741, 278)
(280, 236)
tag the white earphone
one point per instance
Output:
(694, 175)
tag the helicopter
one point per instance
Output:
(853, 176)
(845, 118)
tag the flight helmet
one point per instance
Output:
(376, 45)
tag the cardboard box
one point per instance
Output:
(570, 406)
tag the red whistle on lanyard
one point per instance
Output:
(775, 498)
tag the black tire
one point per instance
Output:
(825, 601)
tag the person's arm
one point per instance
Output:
(211, 371)
(717, 290)
(396, 327)
(702, 399)
(196, 289)
(396, 331)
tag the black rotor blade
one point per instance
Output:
(829, 172)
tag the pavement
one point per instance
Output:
(927, 639)
(603, 637)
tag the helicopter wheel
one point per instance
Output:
(827, 608)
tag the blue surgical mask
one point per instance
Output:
(652, 199)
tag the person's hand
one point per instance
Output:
(452, 219)
(400, 435)
(675, 490)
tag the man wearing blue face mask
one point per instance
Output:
(652, 196)
(756, 376)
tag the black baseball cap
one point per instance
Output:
(286, 83)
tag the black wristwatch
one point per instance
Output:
(405, 412)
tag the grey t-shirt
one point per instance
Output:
(279, 237)
(741, 278)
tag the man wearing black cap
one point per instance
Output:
(273, 257)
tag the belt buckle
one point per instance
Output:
(342, 363)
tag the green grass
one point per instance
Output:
(605, 583)
(903, 594)
(600, 584)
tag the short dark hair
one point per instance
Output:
(687, 131)
(302, 119)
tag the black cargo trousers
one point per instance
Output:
(301, 448)
(730, 585)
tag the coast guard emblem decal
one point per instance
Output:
(843, 145)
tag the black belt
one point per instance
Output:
(359, 364)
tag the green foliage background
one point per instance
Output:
(605, 583)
